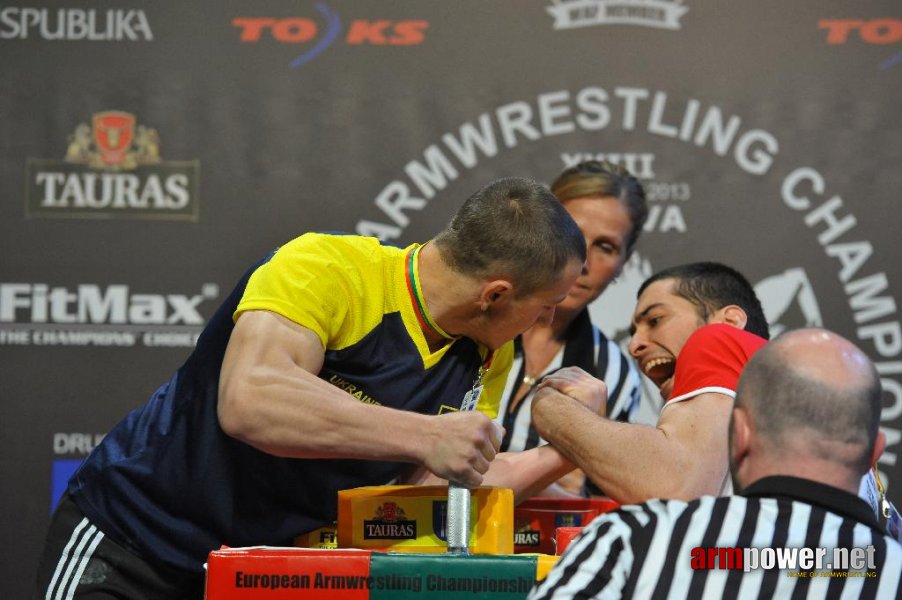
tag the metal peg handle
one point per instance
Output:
(458, 526)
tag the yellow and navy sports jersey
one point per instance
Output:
(358, 296)
(167, 483)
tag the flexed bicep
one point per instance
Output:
(269, 364)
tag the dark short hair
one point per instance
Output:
(711, 286)
(513, 227)
(603, 179)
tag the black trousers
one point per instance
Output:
(80, 562)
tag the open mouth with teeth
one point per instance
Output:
(660, 371)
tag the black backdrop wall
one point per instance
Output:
(149, 151)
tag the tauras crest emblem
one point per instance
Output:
(114, 141)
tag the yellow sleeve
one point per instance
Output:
(308, 281)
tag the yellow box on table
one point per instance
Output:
(411, 518)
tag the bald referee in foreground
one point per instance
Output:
(804, 430)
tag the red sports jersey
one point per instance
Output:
(712, 360)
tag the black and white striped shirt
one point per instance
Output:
(647, 550)
(585, 346)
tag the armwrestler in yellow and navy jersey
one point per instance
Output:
(336, 362)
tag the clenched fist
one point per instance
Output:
(579, 385)
(461, 446)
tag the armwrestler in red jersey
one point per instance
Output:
(694, 328)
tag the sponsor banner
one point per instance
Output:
(113, 170)
(252, 573)
(883, 32)
(317, 30)
(73, 24)
(249, 573)
(40, 314)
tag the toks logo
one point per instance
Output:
(112, 169)
(875, 31)
(303, 30)
(880, 32)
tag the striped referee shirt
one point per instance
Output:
(585, 346)
(674, 549)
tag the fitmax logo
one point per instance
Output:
(89, 303)
(302, 30)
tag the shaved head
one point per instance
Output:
(817, 392)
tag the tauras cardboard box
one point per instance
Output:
(412, 518)
(537, 519)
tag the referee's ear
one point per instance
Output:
(741, 436)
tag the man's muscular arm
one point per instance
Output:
(684, 456)
(271, 398)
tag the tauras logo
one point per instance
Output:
(662, 14)
(39, 303)
(113, 168)
(389, 522)
(87, 190)
(526, 538)
(377, 530)
(75, 24)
